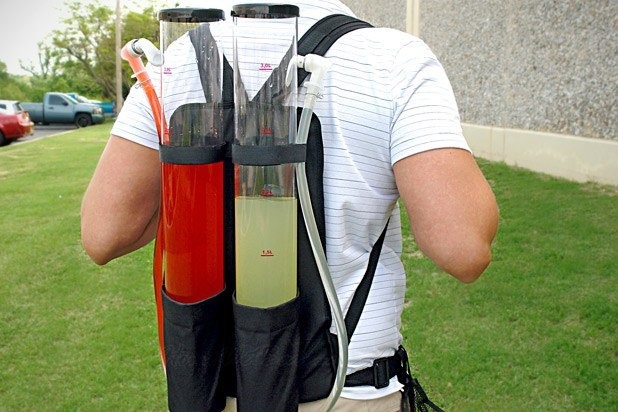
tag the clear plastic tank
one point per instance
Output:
(192, 207)
(265, 38)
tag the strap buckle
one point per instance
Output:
(381, 373)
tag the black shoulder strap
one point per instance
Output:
(324, 33)
(317, 40)
(362, 291)
(200, 36)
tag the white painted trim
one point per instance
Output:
(571, 157)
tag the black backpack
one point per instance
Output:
(269, 359)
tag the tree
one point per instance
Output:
(80, 56)
(48, 58)
(10, 85)
(87, 44)
(4, 75)
(81, 39)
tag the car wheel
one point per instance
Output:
(3, 140)
(83, 120)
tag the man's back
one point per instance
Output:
(386, 105)
(385, 97)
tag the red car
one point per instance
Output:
(14, 122)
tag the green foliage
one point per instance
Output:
(84, 39)
(88, 39)
(11, 90)
(80, 56)
(536, 332)
(37, 86)
(80, 82)
(135, 26)
(11, 86)
(4, 75)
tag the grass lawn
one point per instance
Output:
(536, 332)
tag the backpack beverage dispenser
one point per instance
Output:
(229, 206)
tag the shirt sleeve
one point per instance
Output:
(135, 122)
(425, 113)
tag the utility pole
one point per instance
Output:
(413, 19)
(119, 99)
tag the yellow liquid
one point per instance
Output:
(265, 250)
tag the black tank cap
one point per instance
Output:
(190, 15)
(265, 11)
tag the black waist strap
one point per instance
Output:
(378, 375)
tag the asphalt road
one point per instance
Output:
(41, 131)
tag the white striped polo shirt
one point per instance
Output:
(386, 97)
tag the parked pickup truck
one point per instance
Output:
(109, 108)
(62, 108)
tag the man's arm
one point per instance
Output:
(120, 208)
(452, 209)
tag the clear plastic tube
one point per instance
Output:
(132, 52)
(316, 245)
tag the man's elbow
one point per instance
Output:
(470, 266)
(100, 259)
(98, 252)
(99, 242)
(105, 242)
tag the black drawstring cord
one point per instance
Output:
(413, 397)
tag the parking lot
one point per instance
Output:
(41, 131)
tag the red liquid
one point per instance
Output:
(193, 226)
(157, 276)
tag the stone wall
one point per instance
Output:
(384, 13)
(543, 65)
